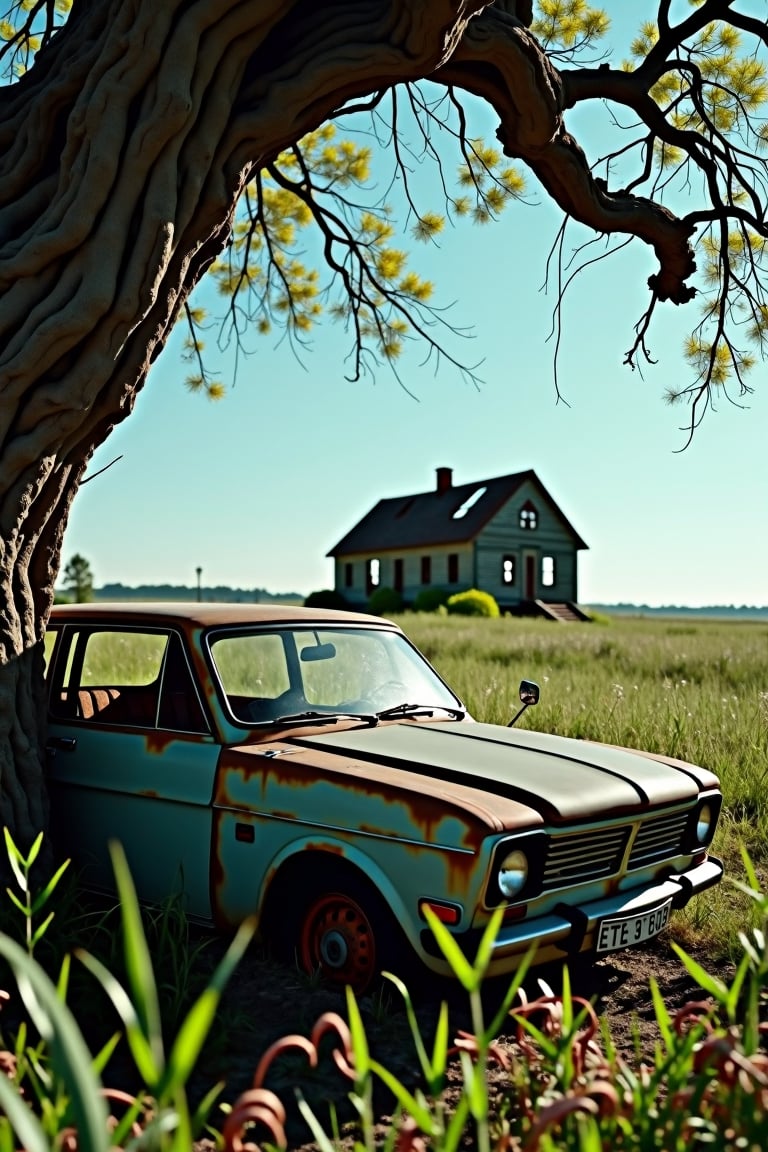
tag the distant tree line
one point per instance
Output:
(725, 610)
(77, 586)
(218, 592)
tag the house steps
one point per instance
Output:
(564, 613)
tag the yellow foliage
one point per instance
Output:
(390, 263)
(412, 285)
(566, 24)
(428, 226)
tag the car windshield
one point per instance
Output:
(267, 674)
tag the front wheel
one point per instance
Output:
(346, 934)
(338, 940)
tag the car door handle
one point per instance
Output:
(65, 743)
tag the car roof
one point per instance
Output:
(206, 615)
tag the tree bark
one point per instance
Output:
(123, 152)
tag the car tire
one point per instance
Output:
(345, 933)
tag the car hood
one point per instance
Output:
(565, 780)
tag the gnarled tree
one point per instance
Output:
(131, 129)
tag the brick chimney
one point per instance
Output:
(444, 479)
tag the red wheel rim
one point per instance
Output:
(337, 940)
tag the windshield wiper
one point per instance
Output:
(420, 710)
(314, 717)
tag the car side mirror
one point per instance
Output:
(529, 694)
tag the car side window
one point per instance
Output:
(111, 677)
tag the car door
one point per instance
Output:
(131, 758)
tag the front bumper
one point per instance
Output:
(572, 929)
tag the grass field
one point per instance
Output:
(694, 690)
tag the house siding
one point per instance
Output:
(357, 594)
(502, 536)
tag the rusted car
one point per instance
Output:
(312, 767)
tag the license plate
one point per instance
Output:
(624, 931)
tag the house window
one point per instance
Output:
(453, 568)
(397, 575)
(374, 574)
(349, 575)
(529, 517)
(547, 571)
(426, 569)
(507, 569)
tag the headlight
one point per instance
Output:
(513, 873)
(517, 868)
(704, 824)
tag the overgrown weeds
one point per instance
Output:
(563, 1085)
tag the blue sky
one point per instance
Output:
(255, 489)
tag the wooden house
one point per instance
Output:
(506, 536)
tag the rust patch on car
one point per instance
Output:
(217, 873)
(280, 814)
(158, 740)
(425, 813)
(321, 846)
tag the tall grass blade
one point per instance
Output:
(197, 1023)
(439, 1051)
(323, 1143)
(45, 893)
(34, 851)
(141, 977)
(487, 941)
(663, 1018)
(517, 982)
(460, 966)
(141, 1050)
(15, 859)
(359, 1039)
(405, 1099)
(70, 1058)
(418, 1043)
(710, 984)
(455, 1132)
(200, 1115)
(28, 1129)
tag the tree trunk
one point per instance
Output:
(123, 151)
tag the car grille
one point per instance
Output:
(658, 839)
(580, 857)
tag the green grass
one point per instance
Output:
(697, 691)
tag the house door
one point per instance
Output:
(529, 566)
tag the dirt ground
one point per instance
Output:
(267, 1001)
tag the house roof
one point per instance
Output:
(428, 519)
